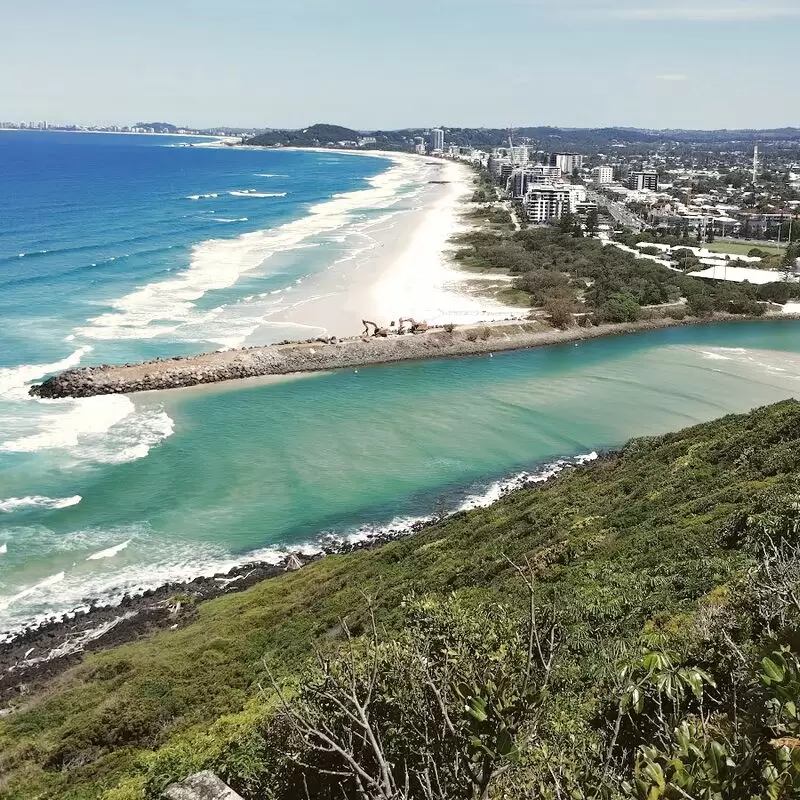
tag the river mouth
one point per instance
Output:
(271, 468)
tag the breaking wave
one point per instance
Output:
(47, 583)
(162, 307)
(109, 552)
(13, 380)
(38, 501)
(110, 429)
(254, 193)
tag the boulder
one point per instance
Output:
(201, 786)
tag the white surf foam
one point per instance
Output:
(109, 429)
(254, 193)
(39, 587)
(14, 379)
(3, 548)
(85, 417)
(107, 582)
(499, 489)
(270, 175)
(230, 219)
(202, 196)
(32, 253)
(38, 501)
(165, 305)
(483, 498)
(109, 552)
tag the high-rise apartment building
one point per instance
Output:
(546, 203)
(644, 180)
(436, 140)
(567, 162)
(603, 175)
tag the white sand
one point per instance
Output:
(405, 272)
(418, 279)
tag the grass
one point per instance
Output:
(635, 537)
(743, 248)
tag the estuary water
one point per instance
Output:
(107, 495)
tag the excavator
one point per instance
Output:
(415, 326)
(376, 331)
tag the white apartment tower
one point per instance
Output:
(756, 165)
(603, 175)
(520, 154)
(546, 203)
(567, 162)
(437, 140)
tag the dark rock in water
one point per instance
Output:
(201, 786)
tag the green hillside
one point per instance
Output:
(663, 662)
(324, 135)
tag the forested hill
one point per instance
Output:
(546, 138)
(323, 135)
(628, 631)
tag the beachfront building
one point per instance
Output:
(419, 145)
(602, 176)
(546, 203)
(645, 180)
(538, 174)
(436, 140)
(567, 162)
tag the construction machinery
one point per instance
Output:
(415, 326)
(376, 331)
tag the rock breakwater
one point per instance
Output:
(283, 359)
(328, 354)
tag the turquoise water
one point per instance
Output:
(254, 467)
(118, 248)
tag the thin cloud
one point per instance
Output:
(672, 78)
(705, 12)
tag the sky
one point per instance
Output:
(373, 64)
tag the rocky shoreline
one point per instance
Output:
(37, 655)
(331, 354)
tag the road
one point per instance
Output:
(619, 211)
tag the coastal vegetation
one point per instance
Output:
(608, 285)
(627, 631)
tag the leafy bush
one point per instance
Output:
(620, 307)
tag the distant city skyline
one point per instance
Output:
(574, 63)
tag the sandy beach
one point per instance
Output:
(404, 269)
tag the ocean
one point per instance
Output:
(117, 248)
